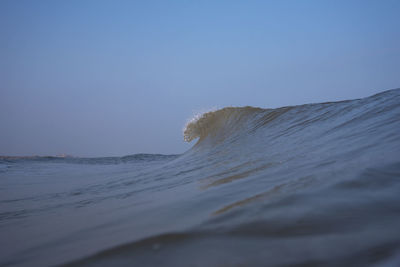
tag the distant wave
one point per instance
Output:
(79, 160)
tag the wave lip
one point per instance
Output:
(219, 123)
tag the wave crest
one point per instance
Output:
(220, 121)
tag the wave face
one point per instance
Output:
(309, 185)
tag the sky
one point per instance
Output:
(112, 78)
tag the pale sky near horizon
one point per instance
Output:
(111, 78)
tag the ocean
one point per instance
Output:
(309, 185)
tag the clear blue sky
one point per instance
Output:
(100, 78)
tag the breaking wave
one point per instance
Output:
(233, 122)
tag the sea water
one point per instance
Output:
(309, 185)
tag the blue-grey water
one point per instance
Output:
(309, 185)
